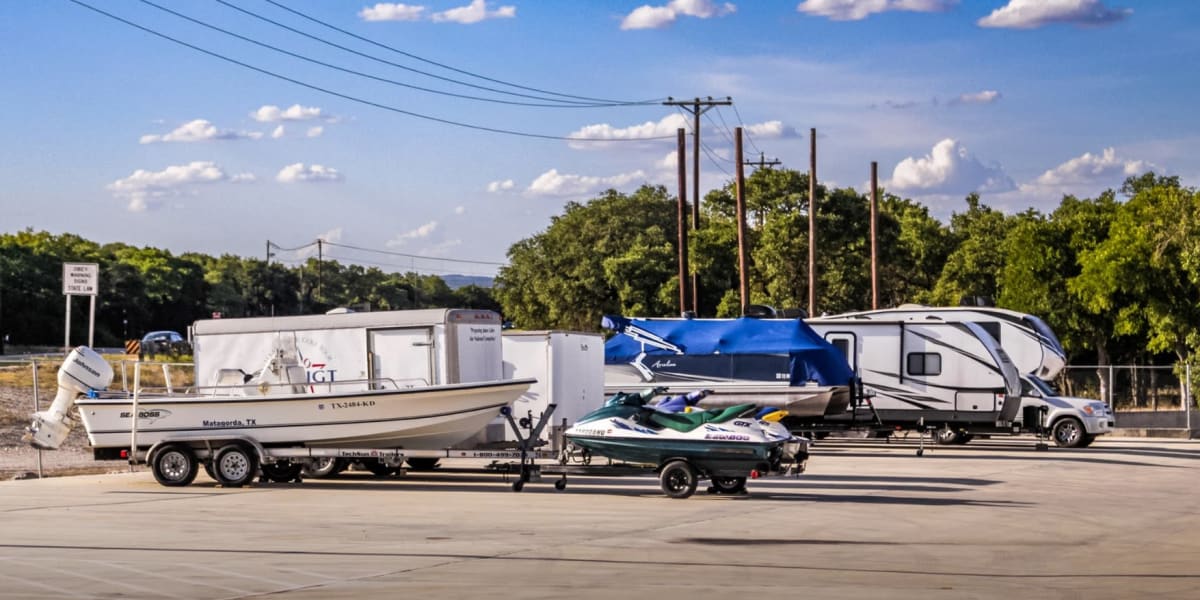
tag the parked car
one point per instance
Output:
(165, 342)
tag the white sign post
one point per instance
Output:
(80, 279)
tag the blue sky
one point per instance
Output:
(118, 135)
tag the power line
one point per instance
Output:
(355, 98)
(724, 132)
(555, 103)
(435, 63)
(391, 253)
(746, 130)
(711, 154)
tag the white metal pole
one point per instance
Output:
(1187, 396)
(36, 408)
(67, 332)
(92, 324)
(1110, 387)
(133, 418)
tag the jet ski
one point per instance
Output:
(725, 445)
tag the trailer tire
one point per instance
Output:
(1068, 432)
(235, 465)
(174, 465)
(422, 464)
(678, 479)
(946, 437)
(282, 471)
(323, 467)
(379, 468)
(729, 485)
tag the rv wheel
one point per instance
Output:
(234, 466)
(281, 471)
(323, 467)
(678, 479)
(174, 465)
(422, 464)
(946, 437)
(378, 468)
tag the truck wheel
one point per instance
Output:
(1068, 432)
(678, 479)
(378, 468)
(964, 438)
(174, 465)
(234, 466)
(1087, 440)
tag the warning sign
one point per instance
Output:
(81, 279)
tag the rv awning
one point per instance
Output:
(811, 357)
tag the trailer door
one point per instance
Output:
(846, 343)
(404, 355)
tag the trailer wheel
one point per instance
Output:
(281, 471)
(323, 467)
(1087, 440)
(729, 485)
(561, 484)
(379, 468)
(1068, 432)
(422, 464)
(234, 466)
(174, 465)
(946, 437)
(678, 479)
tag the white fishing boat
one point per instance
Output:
(275, 406)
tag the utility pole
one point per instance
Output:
(320, 259)
(874, 235)
(269, 255)
(696, 107)
(812, 223)
(743, 277)
(762, 161)
(681, 218)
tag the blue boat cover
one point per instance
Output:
(811, 357)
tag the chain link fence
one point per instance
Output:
(1142, 396)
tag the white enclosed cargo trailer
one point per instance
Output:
(413, 348)
(569, 368)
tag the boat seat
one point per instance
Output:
(688, 421)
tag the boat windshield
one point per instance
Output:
(1044, 330)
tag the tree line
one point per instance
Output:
(145, 289)
(1116, 276)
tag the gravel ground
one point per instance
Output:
(17, 458)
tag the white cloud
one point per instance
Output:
(441, 248)
(315, 131)
(664, 128)
(497, 187)
(657, 17)
(298, 172)
(419, 233)
(983, 97)
(553, 183)
(1104, 168)
(1031, 14)
(772, 130)
(243, 178)
(460, 210)
(145, 188)
(269, 113)
(670, 161)
(278, 133)
(948, 169)
(855, 10)
(199, 130)
(474, 12)
(385, 11)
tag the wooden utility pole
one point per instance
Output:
(681, 219)
(696, 107)
(874, 235)
(320, 259)
(812, 223)
(743, 277)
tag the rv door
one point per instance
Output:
(847, 344)
(402, 355)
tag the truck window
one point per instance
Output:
(924, 363)
(843, 346)
(992, 327)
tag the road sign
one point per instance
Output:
(81, 279)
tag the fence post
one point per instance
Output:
(1110, 387)
(1187, 396)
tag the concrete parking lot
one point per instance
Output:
(992, 519)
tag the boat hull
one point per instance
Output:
(797, 400)
(427, 418)
(715, 459)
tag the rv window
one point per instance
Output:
(924, 363)
(993, 329)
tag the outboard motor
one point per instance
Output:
(82, 372)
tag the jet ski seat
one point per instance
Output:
(686, 422)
